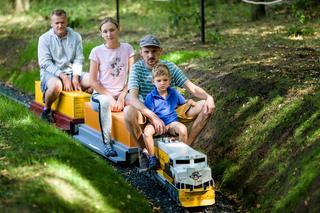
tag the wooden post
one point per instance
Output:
(202, 16)
(118, 13)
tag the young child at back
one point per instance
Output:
(163, 100)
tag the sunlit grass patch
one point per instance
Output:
(258, 129)
(179, 57)
(24, 80)
(43, 168)
(272, 124)
(313, 123)
(246, 106)
(67, 183)
(308, 170)
(18, 24)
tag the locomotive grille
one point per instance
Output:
(191, 187)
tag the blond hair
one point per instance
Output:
(59, 12)
(160, 70)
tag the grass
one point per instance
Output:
(44, 170)
(266, 133)
(179, 57)
(263, 140)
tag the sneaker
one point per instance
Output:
(46, 115)
(108, 150)
(153, 163)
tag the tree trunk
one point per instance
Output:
(21, 5)
(258, 12)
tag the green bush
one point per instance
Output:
(6, 7)
(215, 36)
(179, 57)
(297, 30)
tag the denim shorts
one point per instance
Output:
(47, 77)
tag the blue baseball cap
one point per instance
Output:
(149, 40)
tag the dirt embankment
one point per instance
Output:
(9, 51)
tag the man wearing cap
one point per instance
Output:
(140, 84)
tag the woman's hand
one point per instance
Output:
(120, 103)
(113, 104)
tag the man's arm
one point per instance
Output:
(152, 117)
(78, 62)
(47, 64)
(198, 92)
(79, 58)
(125, 89)
(134, 101)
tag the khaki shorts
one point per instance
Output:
(182, 115)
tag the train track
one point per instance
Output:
(158, 198)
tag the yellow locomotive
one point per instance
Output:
(184, 172)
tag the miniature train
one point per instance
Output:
(183, 171)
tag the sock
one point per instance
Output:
(47, 110)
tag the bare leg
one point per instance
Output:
(199, 123)
(85, 84)
(148, 133)
(180, 129)
(133, 119)
(54, 88)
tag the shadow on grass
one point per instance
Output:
(44, 170)
(261, 136)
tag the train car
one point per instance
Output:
(90, 135)
(68, 109)
(184, 172)
(72, 112)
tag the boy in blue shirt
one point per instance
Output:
(163, 101)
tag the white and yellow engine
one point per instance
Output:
(186, 171)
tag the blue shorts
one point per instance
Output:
(47, 77)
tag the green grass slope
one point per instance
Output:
(269, 141)
(263, 142)
(45, 170)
